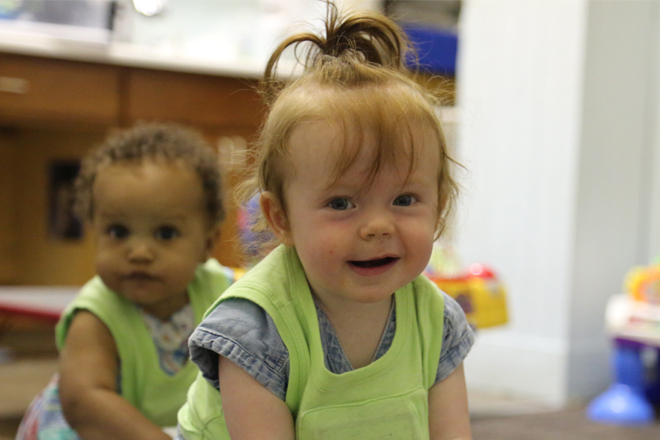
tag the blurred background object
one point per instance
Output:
(150, 7)
(83, 20)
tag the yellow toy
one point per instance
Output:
(643, 284)
(478, 291)
(480, 294)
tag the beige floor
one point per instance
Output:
(483, 405)
(20, 381)
(28, 360)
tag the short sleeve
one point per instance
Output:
(457, 339)
(244, 333)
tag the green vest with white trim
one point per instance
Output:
(385, 399)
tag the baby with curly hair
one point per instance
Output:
(152, 196)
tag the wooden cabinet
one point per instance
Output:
(56, 110)
(8, 201)
(37, 89)
(56, 90)
(215, 103)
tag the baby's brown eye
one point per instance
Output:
(167, 233)
(117, 231)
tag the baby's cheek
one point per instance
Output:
(317, 253)
(104, 265)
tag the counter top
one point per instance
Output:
(44, 303)
(128, 54)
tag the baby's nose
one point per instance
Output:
(140, 251)
(377, 226)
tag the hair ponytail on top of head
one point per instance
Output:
(349, 44)
(355, 79)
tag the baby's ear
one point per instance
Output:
(275, 217)
(212, 238)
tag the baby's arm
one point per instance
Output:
(449, 417)
(88, 380)
(251, 410)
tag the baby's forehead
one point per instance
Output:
(153, 190)
(148, 165)
(353, 156)
(388, 123)
(169, 177)
(341, 142)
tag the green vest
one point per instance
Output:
(144, 384)
(386, 399)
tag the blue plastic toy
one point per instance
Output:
(628, 400)
(633, 323)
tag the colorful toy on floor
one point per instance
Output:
(479, 292)
(633, 323)
(643, 284)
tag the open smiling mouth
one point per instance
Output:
(368, 264)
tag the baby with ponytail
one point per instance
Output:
(336, 334)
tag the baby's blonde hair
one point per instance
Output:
(354, 77)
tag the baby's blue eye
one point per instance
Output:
(117, 231)
(167, 233)
(340, 204)
(404, 200)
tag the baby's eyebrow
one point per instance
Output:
(174, 217)
(343, 190)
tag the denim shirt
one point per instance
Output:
(244, 333)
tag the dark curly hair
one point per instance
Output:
(148, 141)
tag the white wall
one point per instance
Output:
(652, 183)
(553, 99)
(519, 89)
(612, 211)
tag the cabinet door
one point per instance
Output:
(42, 89)
(8, 203)
(215, 103)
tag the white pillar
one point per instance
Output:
(553, 106)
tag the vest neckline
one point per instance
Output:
(402, 304)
